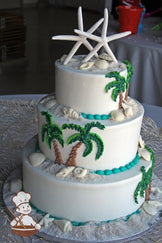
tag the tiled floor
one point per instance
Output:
(35, 73)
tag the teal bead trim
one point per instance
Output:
(74, 223)
(96, 116)
(120, 169)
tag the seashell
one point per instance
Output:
(64, 225)
(105, 56)
(102, 64)
(141, 142)
(128, 112)
(65, 111)
(80, 172)
(129, 101)
(144, 153)
(86, 66)
(65, 171)
(155, 203)
(117, 115)
(50, 104)
(156, 189)
(46, 220)
(150, 207)
(15, 185)
(36, 158)
(70, 113)
(73, 114)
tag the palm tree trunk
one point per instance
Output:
(148, 192)
(58, 156)
(120, 100)
(126, 93)
(72, 157)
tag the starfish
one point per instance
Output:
(103, 40)
(80, 39)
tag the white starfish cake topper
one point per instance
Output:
(83, 36)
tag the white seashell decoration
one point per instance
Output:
(71, 113)
(102, 64)
(156, 189)
(65, 172)
(86, 66)
(128, 112)
(46, 220)
(50, 104)
(105, 56)
(141, 142)
(144, 153)
(150, 207)
(130, 101)
(155, 203)
(36, 159)
(80, 172)
(117, 115)
(64, 225)
(15, 185)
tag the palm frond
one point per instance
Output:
(88, 126)
(111, 85)
(74, 138)
(73, 127)
(58, 138)
(99, 142)
(89, 148)
(44, 130)
(49, 141)
(114, 74)
(48, 117)
(56, 129)
(115, 93)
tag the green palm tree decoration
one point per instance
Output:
(118, 85)
(129, 76)
(84, 136)
(53, 133)
(144, 186)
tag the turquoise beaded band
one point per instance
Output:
(96, 116)
(120, 169)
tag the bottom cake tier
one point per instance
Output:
(94, 197)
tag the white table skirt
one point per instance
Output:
(144, 52)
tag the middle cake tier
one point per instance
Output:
(67, 137)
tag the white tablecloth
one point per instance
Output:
(144, 51)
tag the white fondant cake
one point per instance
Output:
(99, 198)
(96, 165)
(83, 90)
(118, 138)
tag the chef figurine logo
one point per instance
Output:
(24, 224)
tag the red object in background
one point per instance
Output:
(129, 18)
(130, 2)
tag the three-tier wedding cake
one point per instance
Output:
(89, 162)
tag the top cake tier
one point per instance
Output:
(82, 86)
